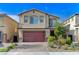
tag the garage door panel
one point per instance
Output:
(36, 36)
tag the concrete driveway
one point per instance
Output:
(34, 48)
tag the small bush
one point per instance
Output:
(66, 46)
(11, 46)
(7, 48)
(51, 39)
(3, 49)
(68, 41)
(73, 46)
(61, 41)
(51, 45)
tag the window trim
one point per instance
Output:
(1, 36)
(41, 19)
(27, 19)
(77, 20)
(51, 21)
(31, 19)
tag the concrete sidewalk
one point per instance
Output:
(63, 53)
(40, 53)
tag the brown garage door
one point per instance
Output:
(33, 36)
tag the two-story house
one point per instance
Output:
(35, 26)
(72, 24)
(8, 28)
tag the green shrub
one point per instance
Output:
(61, 41)
(51, 39)
(73, 47)
(11, 46)
(3, 49)
(68, 41)
(66, 46)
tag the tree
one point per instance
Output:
(59, 29)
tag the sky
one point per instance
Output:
(62, 10)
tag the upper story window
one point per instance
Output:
(41, 19)
(77, 20)
(25, 19)
(52, 22)
(33, 19)
(72, 19)
(68, 27)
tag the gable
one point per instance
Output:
(33, 12)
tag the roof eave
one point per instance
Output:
(39, 11)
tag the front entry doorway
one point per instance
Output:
(51, 33)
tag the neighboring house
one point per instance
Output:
(35, 26)
(72, 24)
(8, 28)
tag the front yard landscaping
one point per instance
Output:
(65, 48)
(6, 49)
(61, 41)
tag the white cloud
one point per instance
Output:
(15, 17)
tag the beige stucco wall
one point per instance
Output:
(3, 30)
(8, 27)
(11, 27)
(1, 20)
(20, 31)
(77, 34)
(45, 23)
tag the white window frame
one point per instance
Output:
(27, 19)
(31, 19)
(1, 37)
(41, 19)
